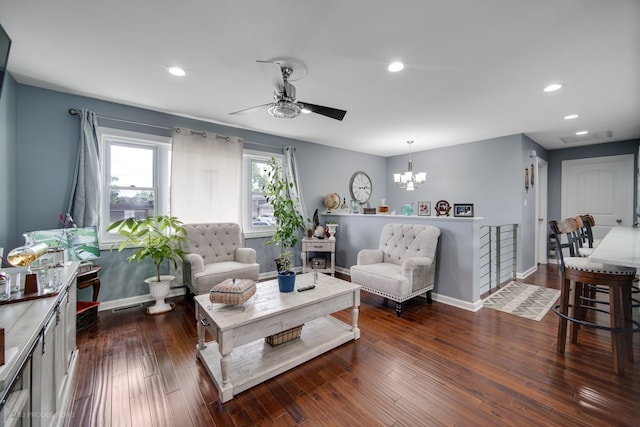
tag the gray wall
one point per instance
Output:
(489, 174)
(45, 137)
(8, 171)
(598, 150)
(38, 140)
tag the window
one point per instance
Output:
(136, 172)
(257, 214)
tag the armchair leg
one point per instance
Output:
(398, 308)
(429, 300)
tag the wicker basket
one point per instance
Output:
(320, 263)
(86, 314)
(232, 291)
(284, 336)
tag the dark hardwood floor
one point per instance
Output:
(436, 365)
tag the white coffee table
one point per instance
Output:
(239, 358)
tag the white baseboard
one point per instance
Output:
(345, 271)
(440, 298)
(140, 299)
(454, 302)
(527, 273)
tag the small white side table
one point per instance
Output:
(319, 245)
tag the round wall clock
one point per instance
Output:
(360, 187)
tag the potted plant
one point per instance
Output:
(158, 238)
(288, 221)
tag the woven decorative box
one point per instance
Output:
(320, 263)
(232, 291)
(284, 336)
(86, 314)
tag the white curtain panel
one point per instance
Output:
(291, 176)
(206, 177)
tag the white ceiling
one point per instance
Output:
(474, 69)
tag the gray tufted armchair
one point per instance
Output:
(404, 265)
(215, 253)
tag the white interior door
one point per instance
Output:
(602, 187)
(541, 211)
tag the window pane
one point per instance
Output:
(125, 203)
(261, 211)
(131, 166)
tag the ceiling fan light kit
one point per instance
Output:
(284, 109)
(285, 105)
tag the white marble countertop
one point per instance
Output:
(621, 246)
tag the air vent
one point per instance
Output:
(591, 136)
(127, 308)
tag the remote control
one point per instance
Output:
(306, 288)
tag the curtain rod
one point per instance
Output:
(74, 112)
(267, 145)
(204, 134)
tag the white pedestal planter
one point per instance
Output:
(159, 291)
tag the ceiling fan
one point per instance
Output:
(284, 103)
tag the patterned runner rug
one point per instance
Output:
(521, 299)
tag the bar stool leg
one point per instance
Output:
(563, 309)
(617, 341)
(627, 311)
(579, 312)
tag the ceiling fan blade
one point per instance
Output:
(251, 109)
(274, 74)
(334, 113)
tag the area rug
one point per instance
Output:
(524, 300)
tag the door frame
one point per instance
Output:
(541, 195)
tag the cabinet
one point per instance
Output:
(43, 370)
(313, 245)
(40, 336)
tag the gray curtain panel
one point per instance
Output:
(84, 204)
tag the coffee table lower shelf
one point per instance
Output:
(257, 361)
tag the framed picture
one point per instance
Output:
(463, 209)
(424, 208)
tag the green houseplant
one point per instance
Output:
(159, 238)
(288, 219)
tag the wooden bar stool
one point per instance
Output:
(579, 273)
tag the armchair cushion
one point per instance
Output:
(215, 252)
(403, 266)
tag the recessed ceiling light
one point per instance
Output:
(394, 67)
(552, 87)
(571, 116)
(582, 132)
(177, 71)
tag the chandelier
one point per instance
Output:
(408, 179)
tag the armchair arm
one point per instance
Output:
(246, 255)
(370, 256)
(196, 262)
(414, 263)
